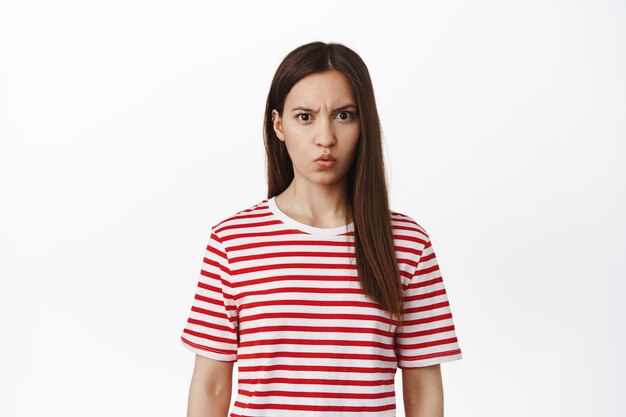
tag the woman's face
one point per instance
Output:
(320, 118)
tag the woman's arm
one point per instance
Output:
(211, 387)
(422, 391)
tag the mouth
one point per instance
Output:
(325, 163)
(325, 158)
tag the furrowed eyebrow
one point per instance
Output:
(306, 109)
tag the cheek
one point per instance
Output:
(295, 148)
(293, 131)
(351, 134)
(354, 142)
(351, 129)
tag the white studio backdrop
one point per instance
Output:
(128, 128)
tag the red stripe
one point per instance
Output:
(317, 394)
(426, 270)
(319, 381)
(424, 296)
(301, 265)
(315, 342)
(426, 332)
(209, 337)
(427, 344)
(431, 355)
(317, 368)
(318, 355)
(321, 408)
(313, 329)
(206, 312)
(319, 316)
(211, 325)
(411, 310)
(208, 348)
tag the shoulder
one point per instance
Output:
(404, 225)
(252, 213)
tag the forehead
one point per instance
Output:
(329, 87)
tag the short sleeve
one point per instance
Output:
(428, 335)
(212, 327)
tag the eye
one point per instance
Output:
(346, 113)
(303, 114)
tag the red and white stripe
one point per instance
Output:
(283, 300)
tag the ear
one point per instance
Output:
(277, 125)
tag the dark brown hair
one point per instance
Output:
(366, 196)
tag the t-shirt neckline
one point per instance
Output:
(322, 231)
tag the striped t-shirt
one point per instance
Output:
(283, 300)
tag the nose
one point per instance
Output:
(325, 135)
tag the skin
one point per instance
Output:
(315, 197)
(422, 391)
(211, 388)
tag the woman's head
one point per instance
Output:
(322, 77)
(320, 118)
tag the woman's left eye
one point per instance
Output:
(345, 112)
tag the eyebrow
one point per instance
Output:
(345, 106)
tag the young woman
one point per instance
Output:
(320, 292)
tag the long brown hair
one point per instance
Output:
(366, 196)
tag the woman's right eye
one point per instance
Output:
(303, 114)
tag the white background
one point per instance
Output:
(128, 128)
